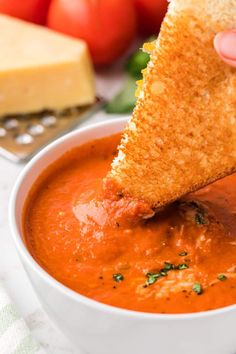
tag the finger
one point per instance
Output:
(225, 45)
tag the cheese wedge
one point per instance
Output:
(41, 69)
(182, 135)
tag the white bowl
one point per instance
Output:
(93, 327)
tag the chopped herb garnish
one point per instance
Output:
(197, 288)
(118, 277)
(183, 254)
(199, 218)
(152, 278)
(182, 266)
(167, 266)
(222, 277)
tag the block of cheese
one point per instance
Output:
(41, 69)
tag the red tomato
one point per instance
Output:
(150, 15)
(108, 26)
(28, 10)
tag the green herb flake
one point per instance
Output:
(152, 278)
(167, 266)
(183, 254)
(222, 277)
(136, 63)
(182, 266)
(200, 219)
(118, 277)
(124, 101)
(197, 288)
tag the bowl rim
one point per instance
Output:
(66, 291)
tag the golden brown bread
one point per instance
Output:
(182, 134)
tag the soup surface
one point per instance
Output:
(182, 260)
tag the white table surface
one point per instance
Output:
(12, 273)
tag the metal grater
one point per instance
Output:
(21, 137)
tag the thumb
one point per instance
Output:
(225, 45)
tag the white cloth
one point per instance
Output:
(15, 337)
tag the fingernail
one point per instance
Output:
(225, 44)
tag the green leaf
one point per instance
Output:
(136, 63)
(124, 102)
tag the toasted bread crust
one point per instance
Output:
(182, 135)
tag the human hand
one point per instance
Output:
(225, 45)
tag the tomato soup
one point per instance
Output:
(181, 260)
